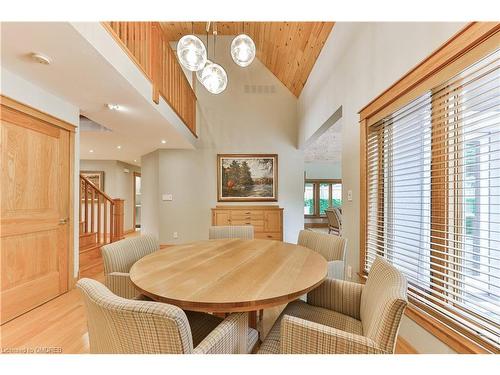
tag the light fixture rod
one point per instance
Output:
(215, 38)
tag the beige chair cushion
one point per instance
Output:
(119, 325)
(202, 324)
(300, 309)
(330, 246)
(383, 301)
(242, 232)
(119, 256)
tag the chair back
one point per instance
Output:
(330, 246)
(122, 326)
(338, 215)
(242, 232)
(383, 301)
(121, 255)
(332, 219)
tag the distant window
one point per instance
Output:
(309, 199)
(319, 195)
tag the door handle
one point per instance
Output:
(63, 221)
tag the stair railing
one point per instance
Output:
(100, 213)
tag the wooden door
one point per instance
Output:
(35, 211)
(272, 221)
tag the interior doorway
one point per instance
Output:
(323, 176)
(137, 201)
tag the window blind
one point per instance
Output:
(433, 197)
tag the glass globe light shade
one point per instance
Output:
(199, 73)
(192, 53)
(243, 50)
(214, 78)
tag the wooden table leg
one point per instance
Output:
(252, 319)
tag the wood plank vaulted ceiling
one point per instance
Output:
(288, 49)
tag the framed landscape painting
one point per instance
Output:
(247, 177)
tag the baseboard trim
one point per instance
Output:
(404, 347)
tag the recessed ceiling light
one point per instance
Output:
(163, 141)
(91, 150)
(118, 147)
(42, 59)
(135, 161)
(113, 107)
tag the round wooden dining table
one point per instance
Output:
(230, 275)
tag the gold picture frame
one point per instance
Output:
(247, 177)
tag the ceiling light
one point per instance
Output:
(192, 53)
(42, 59)
(91, 151)
(135, 161)
(163, 141)
(118, 147)
(113, 107)
(199, 73)
(214, 78)
(243, 50)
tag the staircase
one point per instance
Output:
(101, 222)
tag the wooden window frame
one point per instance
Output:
(474, 41)
(316, 193)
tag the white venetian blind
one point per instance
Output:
(434, 197)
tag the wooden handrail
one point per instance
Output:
(146, 45)
(99, 213)
(102, 193)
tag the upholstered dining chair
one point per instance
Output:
(333, 222)
(243, 232)
(333, 249)
(338, 214)
(119, 257)
(342, 317)
(119, 325)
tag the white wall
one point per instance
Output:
(232, 122)
(357, 63)
(117, 184)
(323, 169)
(15, 87)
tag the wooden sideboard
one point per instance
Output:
(266, 220)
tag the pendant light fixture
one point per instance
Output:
(243, 49)
(199, 73)
(192, 52)
(213, 76)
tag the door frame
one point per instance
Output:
(31, 111)
(136, 174)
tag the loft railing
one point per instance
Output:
(146, 45)
(99, 213)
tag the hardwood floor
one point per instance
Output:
(59, 326)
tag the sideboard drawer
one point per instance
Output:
(243, 215)
(268, 236)
(266, 220)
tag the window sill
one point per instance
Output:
(459, 342)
